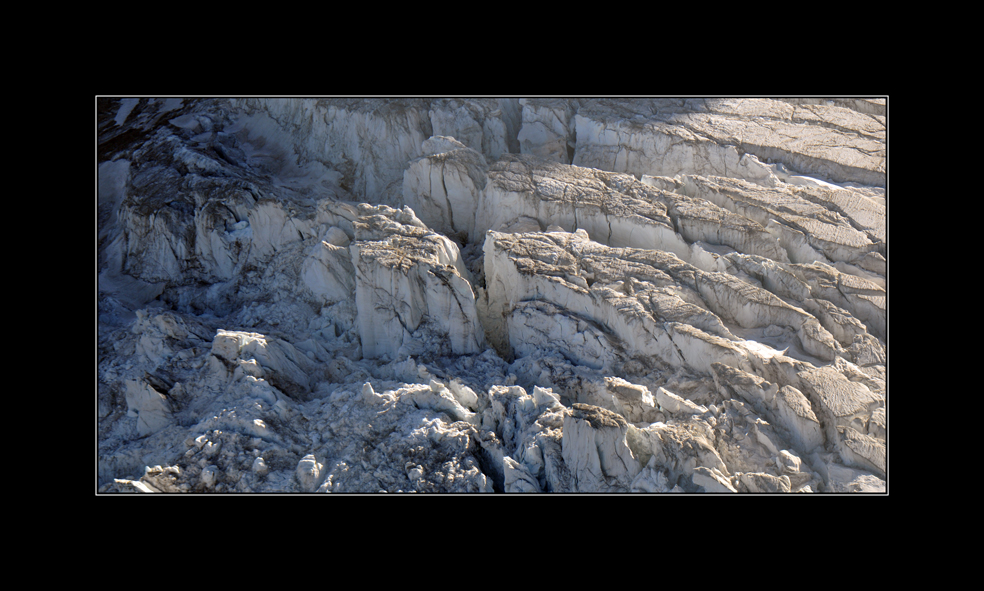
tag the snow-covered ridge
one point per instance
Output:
(492, 295)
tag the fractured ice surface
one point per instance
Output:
(730, 137)
(410, 293)
(492, 295)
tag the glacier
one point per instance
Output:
(491, 295)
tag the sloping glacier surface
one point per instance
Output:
(493, 295)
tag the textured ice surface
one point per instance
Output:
(533, 295)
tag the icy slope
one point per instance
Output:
(730, 137)
(491, 295)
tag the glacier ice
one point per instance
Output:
(492, 295)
